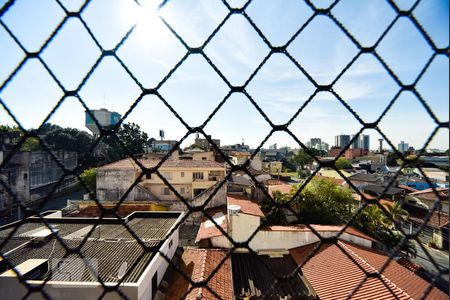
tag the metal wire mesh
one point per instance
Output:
(232, 89)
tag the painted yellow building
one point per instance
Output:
(272, 167)
(189, 177)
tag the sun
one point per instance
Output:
(149, 26)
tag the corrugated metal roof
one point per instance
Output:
(252, 278)
(108, 247)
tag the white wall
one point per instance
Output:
(242, 226)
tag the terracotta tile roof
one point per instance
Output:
(318, 228)
(283, 188)
(331, 263)
(198, 264)
(409, 264)
(248, 207)
(128, 163)
(430, 195)
(208, 229)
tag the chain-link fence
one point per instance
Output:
(328, 12)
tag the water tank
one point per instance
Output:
(233, 210)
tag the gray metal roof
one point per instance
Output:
(108, 247)
(252, 278)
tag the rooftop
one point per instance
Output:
(366, 177)
(429, 194)
(198, 265)
(248, 207)
(207, 228)
(318, 228)
(109, 245)
(128, 163)
(253, 276)
(330, 262)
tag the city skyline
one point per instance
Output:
(194, 90)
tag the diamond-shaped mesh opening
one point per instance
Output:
(333, 80)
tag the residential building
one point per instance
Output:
(403, 147)
(272, 167)
(241, 157)
(242, 217)
(352, 261)
(31, 175)
(192, 179)
(284, 248)
(428, 198)
(241, 276)
(111, 253)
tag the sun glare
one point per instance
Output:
(149, 27)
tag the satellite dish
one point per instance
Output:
(122, 270)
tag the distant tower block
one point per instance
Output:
(381, 144)
(104, 117)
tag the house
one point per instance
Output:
(392, 193)
(238, 276)
(272, 167)
(242, 218)
(436, 227)
(190, 178)
(337, 270)
(110, 254)
(241, 157)
(427, 198)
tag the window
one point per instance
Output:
(182, 174)
(165, 191)
(197, 175)
(182, 190)
(25, 176)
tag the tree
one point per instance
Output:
(320, 202)
(131, 136)
(89, 177)
(342, 163)
(391, 159)
(67, 139)
(375, 223)
(301, 158)
(30, 144)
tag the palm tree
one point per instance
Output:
(398, 214)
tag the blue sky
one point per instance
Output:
(194, 90)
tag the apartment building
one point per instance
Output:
(110, 254)
(191, 178)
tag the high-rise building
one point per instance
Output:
(364, 142)
(403, 147)
(356, 142)
(324, 146)
(342, 140)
